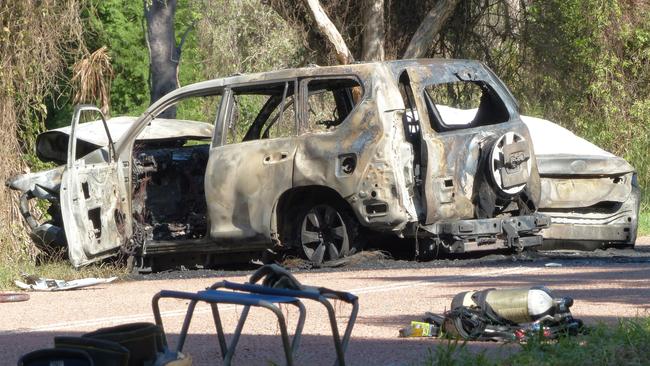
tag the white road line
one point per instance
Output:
(409, 284)
(107, 321)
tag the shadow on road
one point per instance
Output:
(314, 349)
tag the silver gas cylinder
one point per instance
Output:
(519, 305)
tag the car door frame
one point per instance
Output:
(448, 188)
(92, 198)
(240, 212)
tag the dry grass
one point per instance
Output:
(60, 270)
(35, 39)
(91, 79)
(644, 223)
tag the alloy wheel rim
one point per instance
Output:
(323, 234)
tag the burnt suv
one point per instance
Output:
(301, 159)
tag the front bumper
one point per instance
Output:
(515, 232)
(45, 186)
(44, 235)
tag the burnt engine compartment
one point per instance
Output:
(168, 192)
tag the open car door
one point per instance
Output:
(476, 154)
(93, 189)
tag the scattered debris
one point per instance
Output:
(361, 257)
(34, 283)
(501, 315)
(552, 264)
(354, 259)
(420, 329)
(13, 297)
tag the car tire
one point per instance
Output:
(325, 232)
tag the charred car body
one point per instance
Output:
(161, 137)
(592, 196)
(304, 158)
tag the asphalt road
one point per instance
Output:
(606, 285)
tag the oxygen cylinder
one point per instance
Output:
(520, 305)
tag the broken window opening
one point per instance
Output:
(199, 109)
(262, 112)
(463, 104)
(329, 103)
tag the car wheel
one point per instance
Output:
(325, 232)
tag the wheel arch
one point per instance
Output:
(289, 202)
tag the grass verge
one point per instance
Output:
(623, 344)
(644, 223)
(57, 269)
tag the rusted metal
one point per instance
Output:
(388, 160)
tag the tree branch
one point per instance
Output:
(329, 30)
(373, 32)
(429, 28)
(179, 48)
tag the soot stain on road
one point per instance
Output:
(381, 258)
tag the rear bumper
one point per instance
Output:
(515, 232)
(617, 226)
(605, 233)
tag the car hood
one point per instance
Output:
(52, 145)
(560, 152)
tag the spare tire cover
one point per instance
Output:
(509, 163)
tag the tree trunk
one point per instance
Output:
(163, 53)
(373, 32)
(430, 26)
(328, 29)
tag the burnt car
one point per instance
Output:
(591, 195)
(160, 136)
(304, 159)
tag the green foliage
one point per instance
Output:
(118, 24)
(218, 38)
(243, 37)
(202, 109)
(588, 67)
(623, 344)
(454, 353)
(582, 64)
(227, 37)
(644, 224)
(192, 65)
